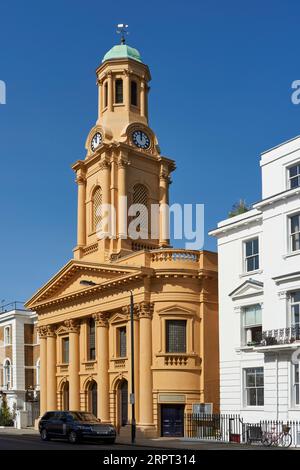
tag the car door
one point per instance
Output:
(57, 424)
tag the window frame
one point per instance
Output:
(118, 342)
(246, 388)
(168, 322)
(290, 178)
(9, 336)
(89, 348)
(118, 94)
(295, 385)
(251, 326)
(136, 104)
(64, 340)
(290, 234)
(253, 255)
(7, 383)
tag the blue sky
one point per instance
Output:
(220, 95)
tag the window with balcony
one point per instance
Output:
(252, 325)
(294, 228)
(295, 313)
(251, 253)
(91, 340)
(294, 176)
(65, 350)
(121, 341)
(176, 336)
(7, 336)
(254, 386)
(296, 385)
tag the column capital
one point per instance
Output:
(72, 326)
(104, 164)
(146, 309)
(101, 319)
(126, 311)
(42, 331)
(80, 179)
(122, 162)
(164, 175)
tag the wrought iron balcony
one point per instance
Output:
(280, 336)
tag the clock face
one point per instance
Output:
(141, 140)
(96, 141)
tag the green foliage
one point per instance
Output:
(6, 418)
(239, 208)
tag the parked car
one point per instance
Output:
(75, 426)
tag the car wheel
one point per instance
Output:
(72, 437)
(44, 435)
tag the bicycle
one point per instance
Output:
(282, 438)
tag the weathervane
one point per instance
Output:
(122, 29)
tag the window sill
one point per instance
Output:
(292, 253)
(118, 358)
(253, 408)
(250, 273)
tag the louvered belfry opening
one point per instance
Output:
(97, 208)
(140, 196)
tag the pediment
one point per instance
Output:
(118, 318)
(248, 288)
(175, 309)
(67, 281)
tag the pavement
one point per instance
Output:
(29, 439)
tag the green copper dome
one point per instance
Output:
(122, 51)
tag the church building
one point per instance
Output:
(83, 311)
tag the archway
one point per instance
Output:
(65, 396)
(93, 397)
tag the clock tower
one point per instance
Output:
(128, 328)
(123, 166)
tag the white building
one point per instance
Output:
(259, 295)
(19, 360)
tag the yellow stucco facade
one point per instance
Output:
(84, 329)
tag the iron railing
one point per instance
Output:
(16, 305)
(232, 428)
(281, 336)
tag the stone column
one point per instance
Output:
(127, 98)
(164, 213)
(74, 382)
(122, 207)
(110, 94)
(81, 211)
(146, 387)
(102, 352)
(42, 331)
(51, 369)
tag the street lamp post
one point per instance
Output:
(132, 394)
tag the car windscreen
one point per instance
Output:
(88, 417)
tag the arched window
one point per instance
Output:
(37, 373)
(7, 374)
(91, 340)
(119, 91)
(97, 208)
(140, 196)
(105, 94)
(133, 94)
